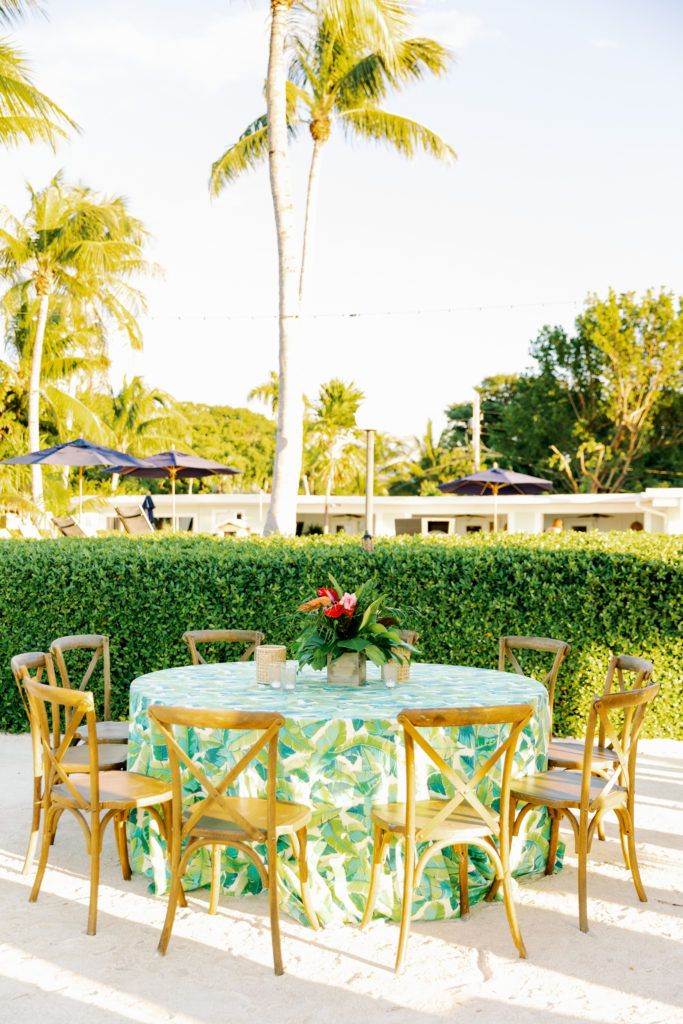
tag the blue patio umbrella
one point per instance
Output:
(497, 481)
(175, 465)
(75, 453)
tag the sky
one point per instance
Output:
(425, 278)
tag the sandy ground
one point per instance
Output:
(628, 968)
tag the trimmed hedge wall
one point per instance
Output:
(599, 592)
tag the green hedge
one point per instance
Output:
(601, 593)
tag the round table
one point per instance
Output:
(340, 751)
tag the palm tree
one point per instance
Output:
(26, 115)
(77, 250)
(337, 80)
(336, 452)
(141, 420)
(267, 392)
(380, 20)
(431, 465)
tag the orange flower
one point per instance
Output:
(317, 602)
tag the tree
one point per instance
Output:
(267, 393)
(380, 20)
(335, 78)
(76, 250)
(431, 464)
(336, 453)
(602, 410)
(26, 115)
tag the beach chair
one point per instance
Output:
(68, 527)
(134, 521)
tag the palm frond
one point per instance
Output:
(399, 132)
(26, 114)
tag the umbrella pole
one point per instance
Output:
(495, 508)
(173, 500)
(80, 492)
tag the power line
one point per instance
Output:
(438, 311)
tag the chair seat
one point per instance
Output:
(462, 824)
(569, 754)
(119, 791)
(290, 817)
(107, 732)
(563, 789)
(109, 757)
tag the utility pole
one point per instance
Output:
(476, 431)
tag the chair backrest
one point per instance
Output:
(464, 787)
(619, 716)
(626, 673)
(69, 527)
(229, 636)
(22, 665)
(77, 706)
(94, 642)
(134, 521)
(211, 795)
(542, 644)
(409, 636)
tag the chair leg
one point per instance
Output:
(582, 851)
(35, 826)
(407, 904)
(380, 842)
(95, 849)
(216, 852)
(302, 836)
(463, 880)
(555, 818)
(48, 816)
(121, 844)
(271, 849)
(173, 900)
(626, 825)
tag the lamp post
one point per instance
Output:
(366, 418)
(368, 542)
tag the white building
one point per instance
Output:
(656, 510)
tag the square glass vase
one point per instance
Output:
(348, 670)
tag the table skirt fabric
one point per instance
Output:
(340, 751)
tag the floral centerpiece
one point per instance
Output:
(341, 632)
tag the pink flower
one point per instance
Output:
(348, 603)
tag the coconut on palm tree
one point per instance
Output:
(78, 251)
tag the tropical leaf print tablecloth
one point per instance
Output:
(341, 750)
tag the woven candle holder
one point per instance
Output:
(266, 654)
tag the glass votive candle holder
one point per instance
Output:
(289, 674)
(275, 672)
(390, 674)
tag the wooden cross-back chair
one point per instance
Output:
(95, 797)
(107, 731)
(193, 637)
(69, 527)
(218, 819)
(584, 798)
(453, 821)
(626, 673)
(508, 651)
(75, 758)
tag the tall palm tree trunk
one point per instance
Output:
(311, 209)
(34, 395)
(281, 517)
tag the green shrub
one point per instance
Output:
(618, 593)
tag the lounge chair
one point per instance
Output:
(69, 527)
(134, 521)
